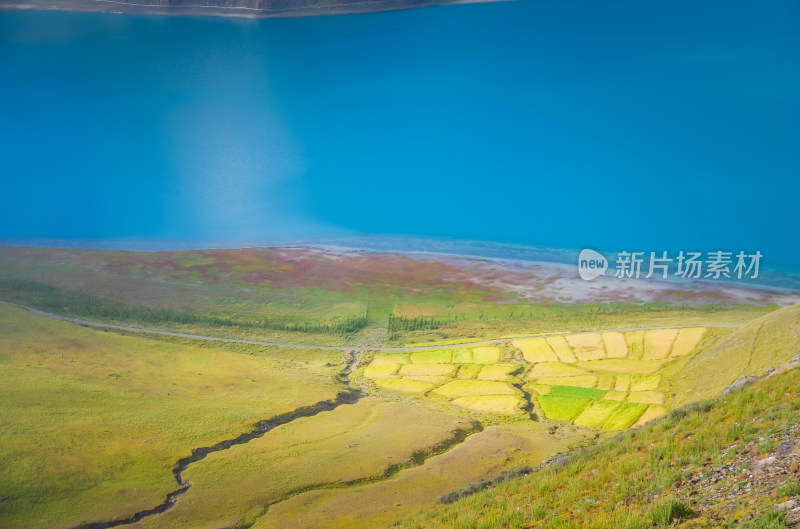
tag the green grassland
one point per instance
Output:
(92, 422)
(486, 453)
(348, 445)
(665, 474)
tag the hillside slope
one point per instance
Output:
(748, 351)
(729, 462)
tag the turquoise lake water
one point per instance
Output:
(609, 125)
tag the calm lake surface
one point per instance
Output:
(566, 124)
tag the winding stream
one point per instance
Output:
(349, 396)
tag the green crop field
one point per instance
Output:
(577, 391)
(562, 407)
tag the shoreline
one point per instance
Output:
(302, 8)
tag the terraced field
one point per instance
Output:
(615, 381)
(480, 379)
(602, 380)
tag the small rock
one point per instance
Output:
(738, 383)
(767, 461)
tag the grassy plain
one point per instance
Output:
(93, 422)
(348, 445)
(484, 454)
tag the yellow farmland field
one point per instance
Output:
(653, 412)
(646, 397)
(658, 343)
(504, 404)
(554, 369)
(427, 369)
(486, 355)
(587, 346)
(497, 371)
(623, 383)
(606, 381)
(380, 370)
(562, 349)
(459, 388)
(535, 350)
(616, 347)
(406, 386)
(462, 356)
(393, 358)
(597, 413)
(687, 340)
(540, 389)
(627, 414)
(469, 370)
(433, 379)
(432, 357)
(616, 395)
(582, 381)
(635, 341)
(622, 365)
(645, 382)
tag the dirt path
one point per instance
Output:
(98, 325)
